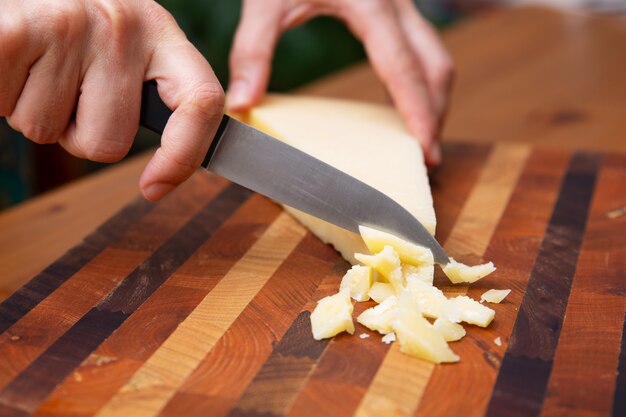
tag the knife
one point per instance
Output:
(257, 161)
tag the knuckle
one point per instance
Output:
(208, 99)
(39, 133)
(13, 36)
(370, 7)
(65, 19)
(118, 20)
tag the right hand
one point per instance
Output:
(71, 71)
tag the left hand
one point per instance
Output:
(403, 47)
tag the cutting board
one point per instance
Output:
(200, 305)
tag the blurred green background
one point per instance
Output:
(319, 47)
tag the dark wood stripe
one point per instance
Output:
(292, 359)
(619, 398)
(518, 234)
(232, 364)
(36, 382)
(521, 384)
(47, 281)
(340, 378)
(178, 297)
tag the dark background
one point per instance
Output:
(310, 51)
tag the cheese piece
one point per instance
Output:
(425, 273)
(409, 253)
(451, 331)
(387, 264)
(364, 140)
(380, 291)
(389, 338)
(380, 317)
(498, 341)
(494, 296)
(417, 337)
(332, 315)
(458, 272)
(473, 312)
(358, 281)
(432, 302)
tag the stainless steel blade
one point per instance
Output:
(283, 173)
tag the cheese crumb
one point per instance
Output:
(388, 338)
(364, 335)
(458, 272)
(497, 341)
(494, 296)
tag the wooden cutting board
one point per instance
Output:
(199, 305)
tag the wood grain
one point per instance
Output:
(513, 249)
(93, 281)
(594, 314)
(147, 392)
(527, 363)
(388, 394)
(343, 373)
(110, 366)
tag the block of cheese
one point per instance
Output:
(364, 140)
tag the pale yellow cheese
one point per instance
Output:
(473, 312)
(366, 141)
(451, 331)
(387, 264)
(494, 296)
(380, 291)
(358, 281)
(332, 315)
(432, 302)
(380, 317)
(458, 272)
(425, 273)
(409, 253)
(417, 337)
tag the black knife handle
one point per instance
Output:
(155, 114)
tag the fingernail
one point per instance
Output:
(434, 154)
(238, 97)
(157, 191)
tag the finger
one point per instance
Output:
(47, 100)
(376, 24)
(17, 54)
(187, 85)
(430, 50)
(107, 114)
(252, 52)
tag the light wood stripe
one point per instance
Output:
(388, 394)
(147, 392)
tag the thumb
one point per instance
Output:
(252, 52)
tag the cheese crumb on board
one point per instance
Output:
(380, 291)
(450, 331)
(380, 317)
(364, 335)
(388, 338)
(417, 337)
(494, 296)
(358, 281)
(458, 272)
(473, 312)
(332, 315)
(497, 341)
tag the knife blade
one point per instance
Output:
(255, 160)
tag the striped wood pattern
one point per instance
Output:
(199, 305)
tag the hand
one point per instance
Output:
(403, 47)
(71, 72)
